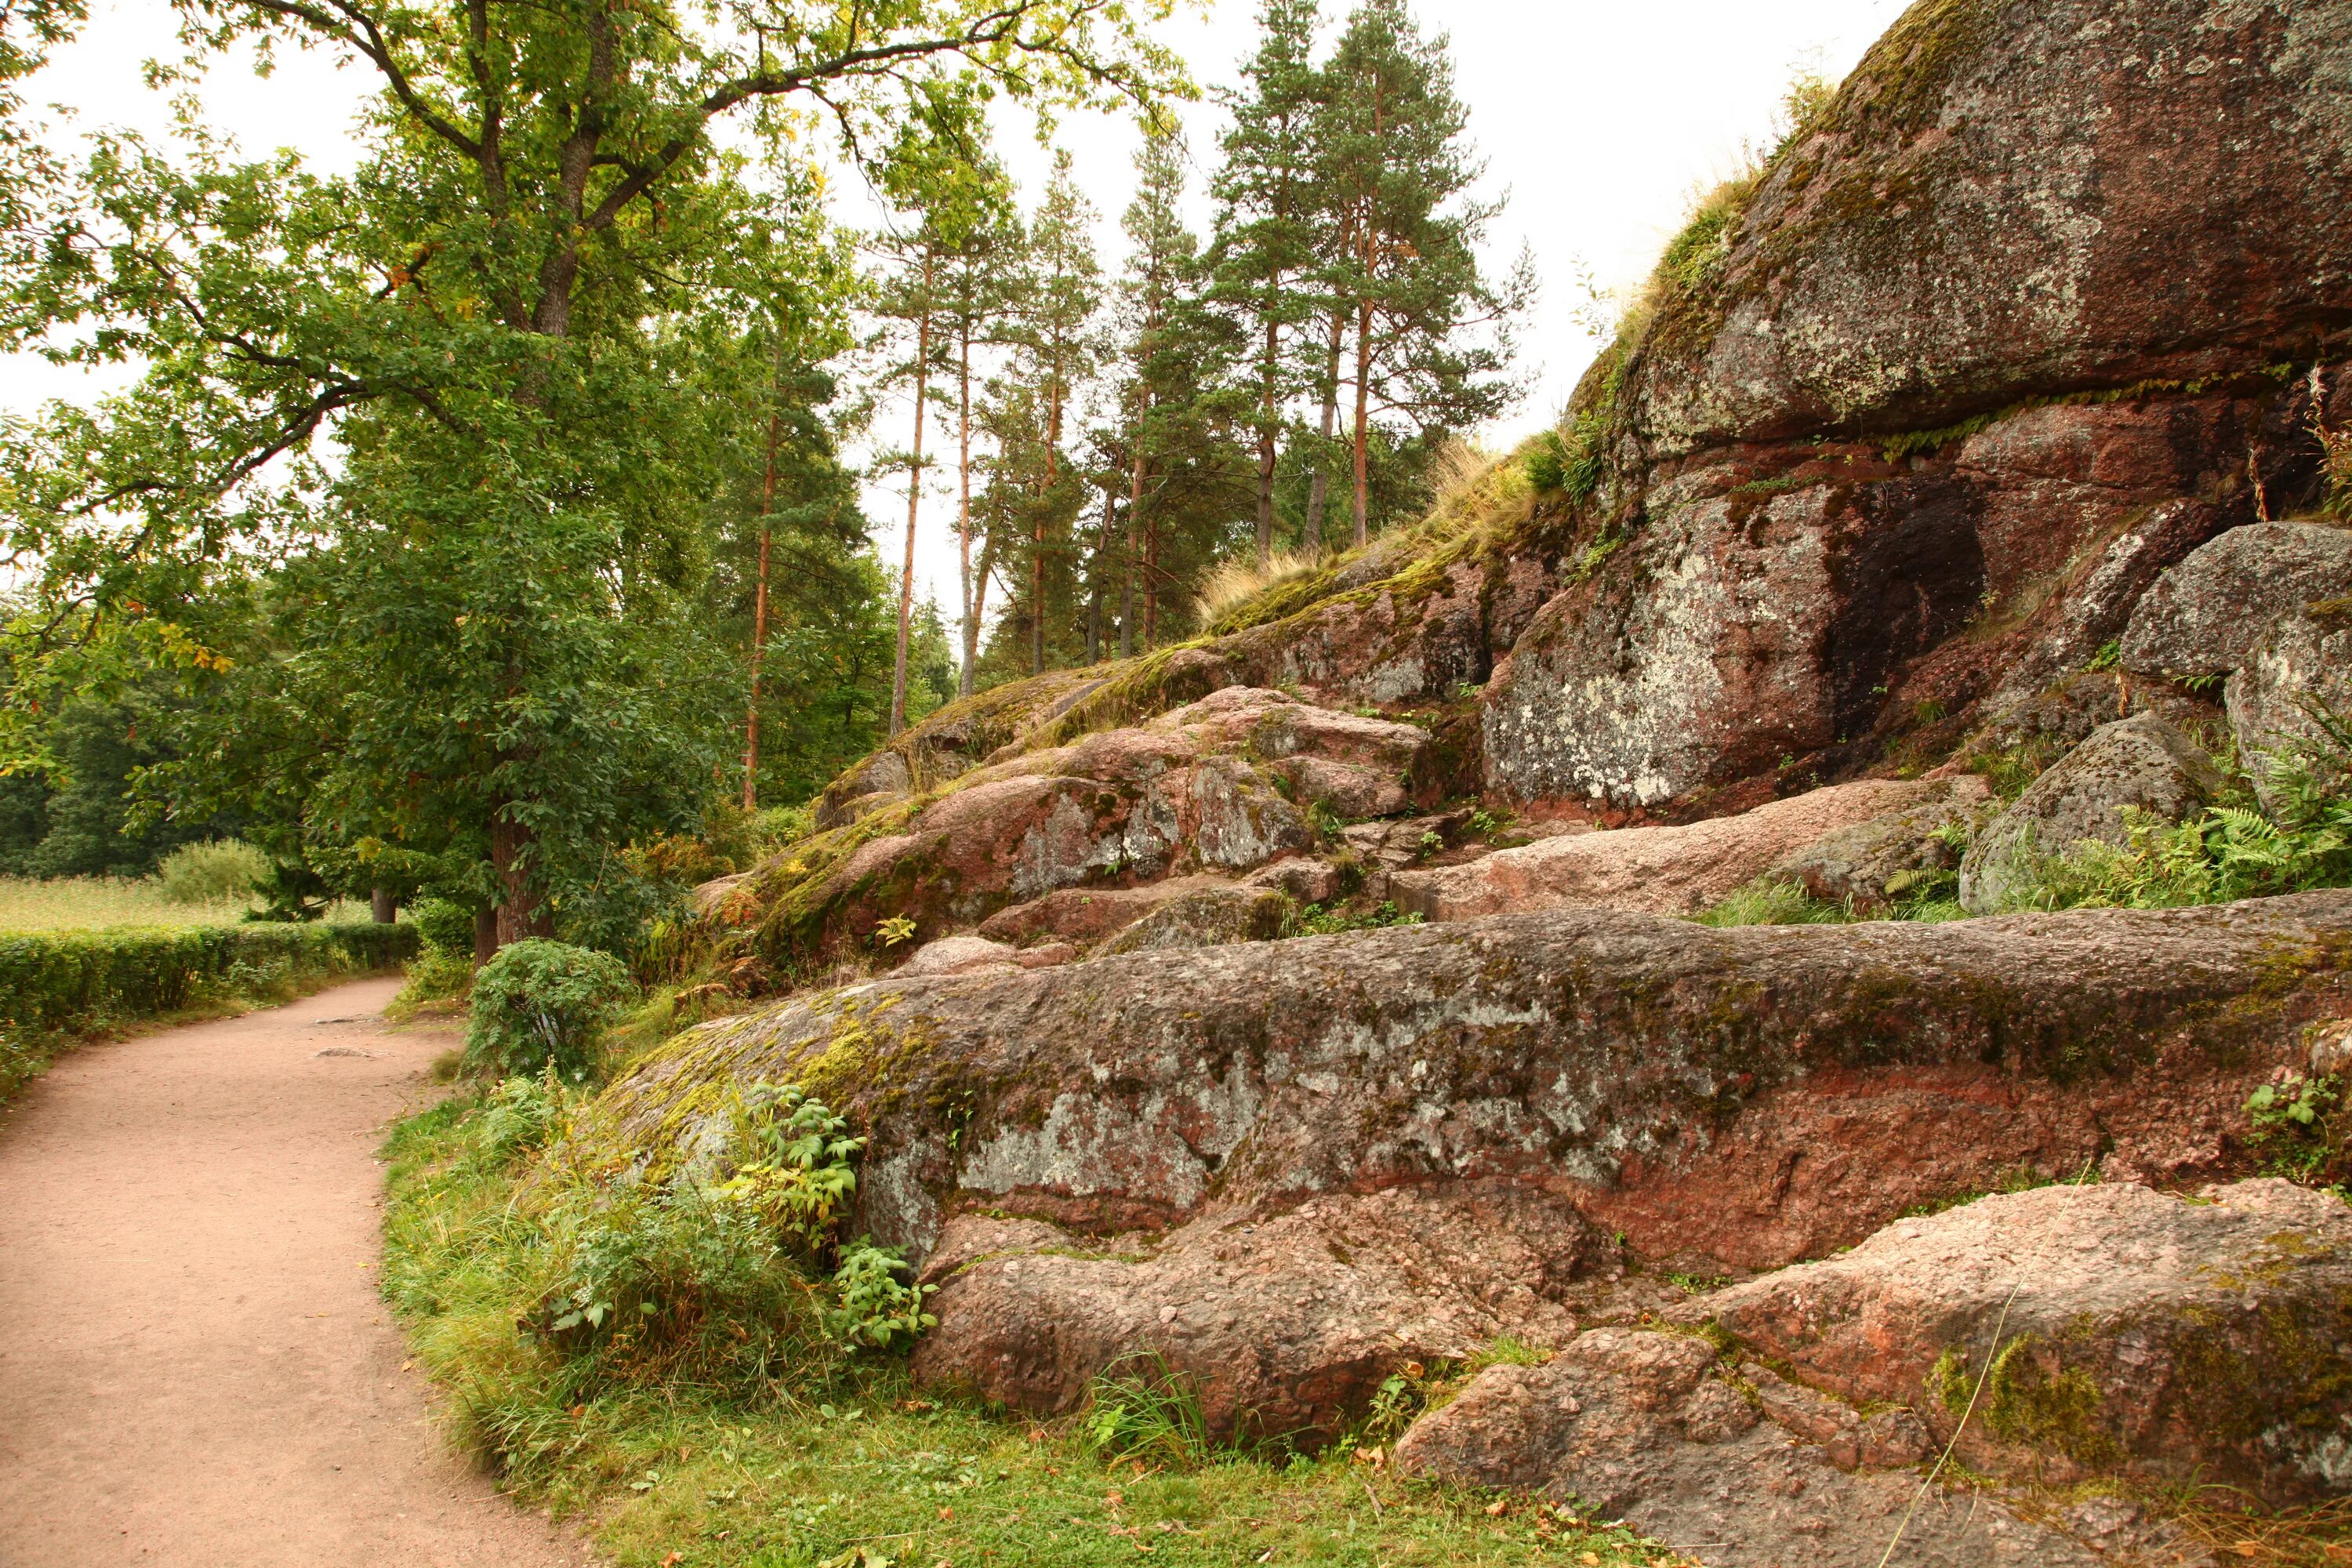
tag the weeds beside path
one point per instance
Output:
(195, 1366)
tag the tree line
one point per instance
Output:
(477, 523)
(1282, 383)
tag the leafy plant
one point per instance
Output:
(1138, 1408)
(802, 1174)
(2294, 1126)
(894, 930)
(518, 1115)
(1317, 921)
(541, 1003)
(445, 926)
(877, 1309)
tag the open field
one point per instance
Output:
(94, 903)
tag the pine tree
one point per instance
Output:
(1185, 475)
(1270, 226)
(1431, 334)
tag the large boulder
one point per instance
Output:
(2010, 198)
(2204, 617)
(2289, 702)
(1646, 1427)
(1666, 871)
(2089, 1329)
(2137, 763)
(1915, 417)
(1737, 1097)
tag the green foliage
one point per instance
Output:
(800, 1175)
(1138, 1409)
(211, 871)
(444, 925)
(81, 981)
(2229, 850)
(877, 1309)
(1764, 904)
(519, 1115)
(2294, 1131)
(543, 1005)
(1570, 461)
(1314, 919)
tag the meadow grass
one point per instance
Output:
(849, 1466)
(98, 903)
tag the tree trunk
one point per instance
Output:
(1319, 485)
(1364, 416)
(914, 501)
(1266, 447)
(963, 505)
(759, 616)
(522, 912)
(382, 907)
(1126, 586)
(1095, 577)
(486, 934)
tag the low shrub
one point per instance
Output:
(541, 1003)
(213, 872)
(444, 925)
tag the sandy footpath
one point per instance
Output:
(195, 1364)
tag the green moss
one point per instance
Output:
(1904, 76)
(2028, 1398)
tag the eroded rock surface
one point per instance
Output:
(1644, 1425)
(1669, 870)
(2127, 1329)
(1739, 1097)
(2137, 763)
(1895, 853)
(1283, 1323)
(1220, 786)
(1208, 918)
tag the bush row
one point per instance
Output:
(77, 980)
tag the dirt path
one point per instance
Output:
(195, 1364)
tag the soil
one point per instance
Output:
(195, 1366)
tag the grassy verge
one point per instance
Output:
(97, 903)
(797, 1453)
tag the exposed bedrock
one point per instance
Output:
(1737, 1099)
(2203, 1339)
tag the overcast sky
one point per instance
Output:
(1597, 119)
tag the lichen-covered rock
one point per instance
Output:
(2294, 688)
(1739, 1097)
(2204, 617)
(960, 956)
(1893, 854)
(2009, 199)
(1209, 917)
(1220, 786)
(1283, 1323)
(1645, 1426)
(1666, 871)
(1085, 915)
(2141, 763)
(2125, 1328)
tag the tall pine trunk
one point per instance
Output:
(964, 601)
(1319, 487)
(914, 501)
(759, 615)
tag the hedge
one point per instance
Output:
(77, 980)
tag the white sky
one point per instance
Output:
(1598, 118)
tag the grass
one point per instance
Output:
(1928, 900)
(1236, 582)
(98, 903)
(838, 1460)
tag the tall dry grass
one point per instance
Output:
(1233, 582)
(94, 903)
